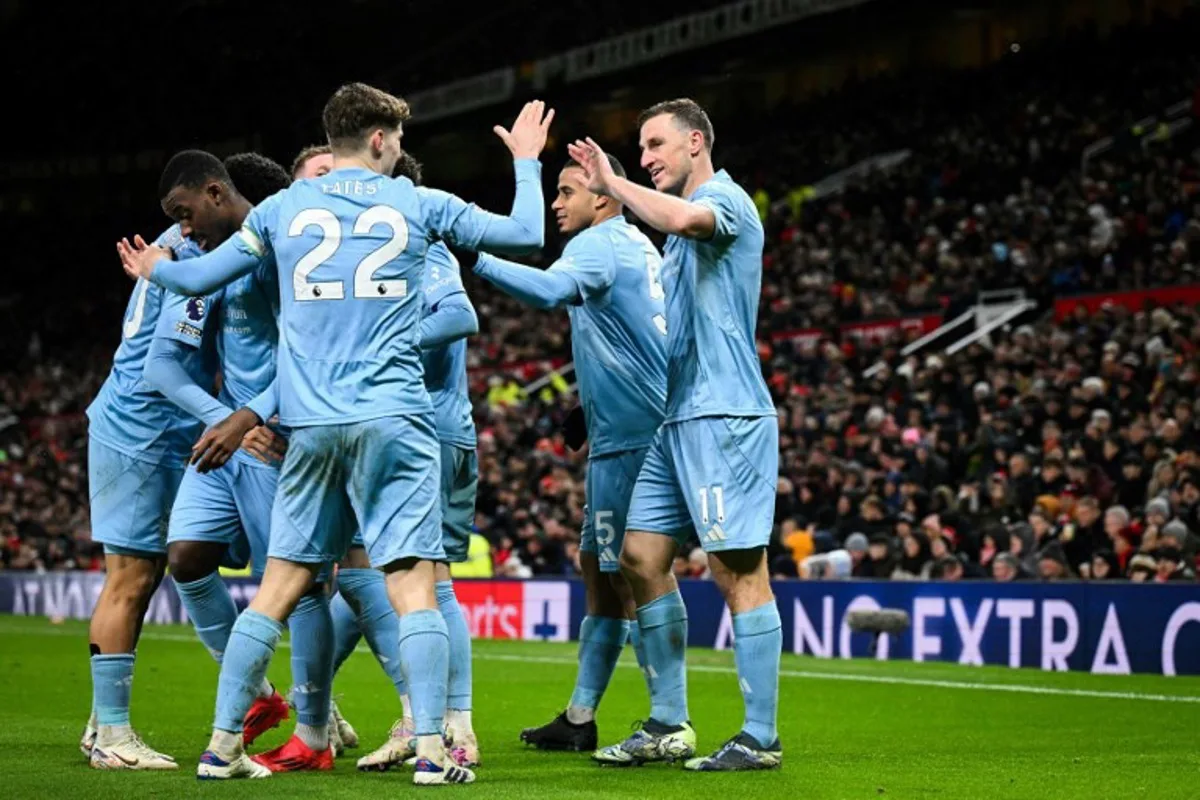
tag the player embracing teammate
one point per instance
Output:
(684, 439)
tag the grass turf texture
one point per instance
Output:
(850, 729)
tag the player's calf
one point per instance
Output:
(758, 640)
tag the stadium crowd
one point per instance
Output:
(1057, 449)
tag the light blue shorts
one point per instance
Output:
(458, 486)
(230, 505)
(130, 500)
(609, 487)
(380, 476)
(714, 475)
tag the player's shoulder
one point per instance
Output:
(721, 185)
(591, 239)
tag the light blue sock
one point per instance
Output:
(425, 656)
(639, 650)
(251, 644)
(663, 624)
(757, 642)
(212, 611)
(365, 591)
(458, 692)
(345, 630)
(601, 640)
(311, 628)
(112, 686)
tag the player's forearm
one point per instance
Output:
(205, 274)
(165, 373)
(663, 212)
(453, 319)
(266, 404)
(535, 287)
(524, 229)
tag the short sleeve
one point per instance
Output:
(184, 319)
(723, 202)
(588, 260)
(443, 277)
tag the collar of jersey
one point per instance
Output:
(344, 170)
(719, 175)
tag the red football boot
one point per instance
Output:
(266, 713)
(295, 756)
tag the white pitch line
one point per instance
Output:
(1015, 688)
(1012, 688)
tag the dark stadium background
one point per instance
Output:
(996, 101)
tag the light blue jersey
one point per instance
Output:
(127, 414)
(446, 366)
(618, 334)
(712, 468)
(349, 249)
(712, 290)
(246, 342)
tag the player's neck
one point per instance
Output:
(702, 172)
(355, 162)
(242, 207)
(604, 216)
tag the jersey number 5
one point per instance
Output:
(365, 285)
(653, 274)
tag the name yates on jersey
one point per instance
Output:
(350, 187)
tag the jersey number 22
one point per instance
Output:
(365, 285)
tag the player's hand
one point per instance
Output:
(264, 444)
(595, 165)
(138, 258)
(527, 137)
(222, 440)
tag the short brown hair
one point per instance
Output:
(687, 114)
(312, 151)
(356, 109)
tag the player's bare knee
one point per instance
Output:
(130, 587)
(632, 564)
(191, 561)
(355, 558)
(603, 600)
(742, 577)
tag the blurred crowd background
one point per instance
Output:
(1063, 445)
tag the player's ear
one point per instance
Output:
(376, 142)
(695, 143)
(215, 191)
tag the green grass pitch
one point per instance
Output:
(850, 729)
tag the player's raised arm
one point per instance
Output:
(524, 229)
(535, 287)
(663, 212)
